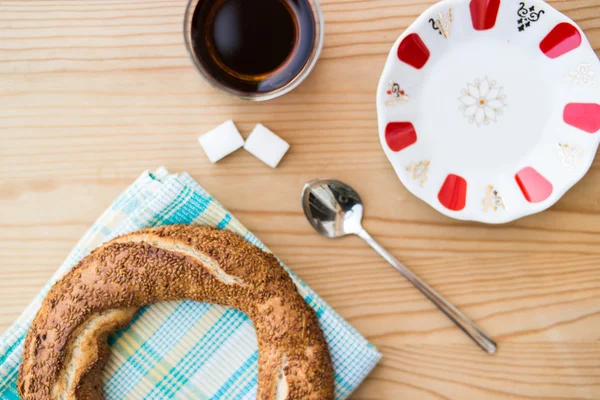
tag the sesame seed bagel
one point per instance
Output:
(66, 345)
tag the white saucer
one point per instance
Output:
(489, 110)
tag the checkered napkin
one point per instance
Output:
(184, 349)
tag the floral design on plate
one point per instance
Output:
(583, 75)
(443, 24)
(482, 101)
(419, 171)
(527, 15)
(396, 94)
(570, 155)
(492, 200)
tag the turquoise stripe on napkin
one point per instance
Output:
(184, 349)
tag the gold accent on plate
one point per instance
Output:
(445, 23)
(582, 75)
(492, 200)
(419, 171)
(570, 155)
(396, 94)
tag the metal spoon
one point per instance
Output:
(334, 209)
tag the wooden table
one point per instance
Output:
(95, 92)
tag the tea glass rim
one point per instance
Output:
(295, 82)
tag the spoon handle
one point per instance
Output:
(460, 319)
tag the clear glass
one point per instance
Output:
(308, 67)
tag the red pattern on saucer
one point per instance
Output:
(453, 194)
(484, 13)
(400, 135)
(413, 51)
(563, 38)
(585, 116)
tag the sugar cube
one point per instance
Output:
(221, 141)
(266, 146)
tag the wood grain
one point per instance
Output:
(92, 93)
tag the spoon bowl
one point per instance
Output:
(333, 208)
